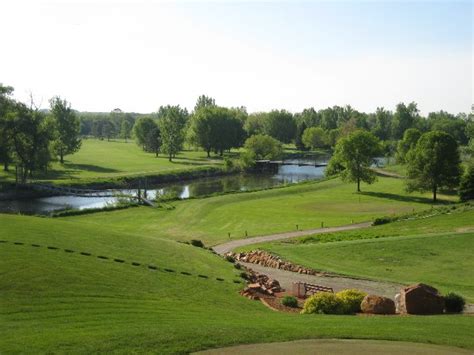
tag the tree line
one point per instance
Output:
(31, 138)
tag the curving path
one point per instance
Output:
(229, 246)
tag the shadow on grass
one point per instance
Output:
(404, 198)
(90, 167)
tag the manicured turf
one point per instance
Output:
(443, 260)
(264, 212)
(100, 160)
(58, 301)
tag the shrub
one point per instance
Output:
(197, 243)
(466, 187)
(230, 258)
(244, 275)
(238, 266)
(381, 220)
(351, 300)
(454, 303)
(323, 303)
(289, 301)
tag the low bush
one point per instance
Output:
(323, 303)
(289, 301)
(351, 300)
(230, 258)
(454, 303)
(244, 275)
(197, 243)
(238, 266)
(381, 220)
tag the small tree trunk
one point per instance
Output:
(5, 166)
(435, 189)
(170, 157)
(61, 156)
(358, 184)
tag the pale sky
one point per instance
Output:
(138, 55)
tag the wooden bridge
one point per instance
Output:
(283, 162)
(71, 191)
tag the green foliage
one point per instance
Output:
(254, 124)
(172, 121)
(405, 117)
(323, 303)
(147, 134)
(354, 156)
(67, 126)
(217, 128)
(381, 220)
(260, 147)
(314, 137)
(410, 138)
(289, 301)
(280, 125)
(351, 300)
(434, 163)
(204, 101)
(466, 187)
(230, 258)
(31, 133)
(197, 243)
(454, 303)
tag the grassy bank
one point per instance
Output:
(105, 163)
(263, 212)
(58, 300)
(436, 251)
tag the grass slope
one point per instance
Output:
(264, 212)
(55, 301)
(101, 160)
(436, 251)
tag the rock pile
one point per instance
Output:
(263, 258)
(260, 285)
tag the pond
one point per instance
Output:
(286, 174)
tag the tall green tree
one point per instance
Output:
(408, 142)
(31, 134)
(314, 137)
(466, 187)
(434, 163)
(382, 123)
(125, 129)
(147, 134)
(405, 117)
(6, 105)
(67, 126)
(172, 123)
(255, 123)
(353, 157)
(280, 125)
(204, 101)
(217, 129)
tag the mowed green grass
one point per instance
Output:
(54, 301)
(101, 159)
(265, 212)
(436, 251)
